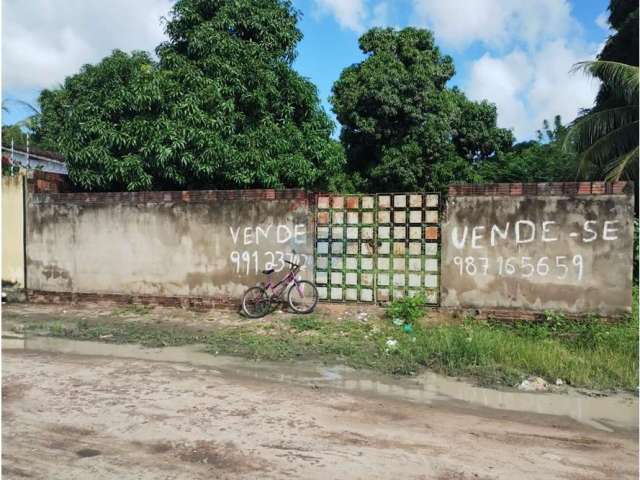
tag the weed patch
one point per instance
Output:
(406, 309)
(304, 323)
(589, 354)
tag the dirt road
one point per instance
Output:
(79, 417)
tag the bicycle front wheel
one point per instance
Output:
(303, 297)
(255, 302)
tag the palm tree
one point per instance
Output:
(28, 122)
(606, 137)
(26, 126)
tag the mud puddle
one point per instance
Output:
(608, 413)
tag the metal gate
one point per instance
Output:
(377, 247)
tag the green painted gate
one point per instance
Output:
(376, 248)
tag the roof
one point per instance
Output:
(46, 161)
(36, 152)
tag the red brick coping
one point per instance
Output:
(541, 189)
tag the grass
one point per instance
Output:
(134, 309)
(594, 355)
(590, 354)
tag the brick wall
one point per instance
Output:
(190, 302)
(541, 189)
(45, 182)
(160, 197)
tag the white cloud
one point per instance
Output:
(502, 81)
(380, 15)
(531, 46)
(357, 15)
(350, 14)
(530, 87)
(43, 41)
(602, 21)
(495, 23)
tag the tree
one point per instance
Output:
(13, 133)
(402, 128)
(20, 131)
(622, 45)
(7, 102)
(102, 119)
(606, 137)
(221, 108)
(540, 160)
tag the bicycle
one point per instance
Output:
(302, 295)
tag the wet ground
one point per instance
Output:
(73, 411)
(608, 412)
(16, 313)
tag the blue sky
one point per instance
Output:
(514, 53)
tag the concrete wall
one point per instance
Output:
(12, 230)
(205, 244)
(563, 247)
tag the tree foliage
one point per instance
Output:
(402, 128)
(540, 160)
(606, 137)
(220, 108)
(622, 45)
(13, 134)
(23, 132)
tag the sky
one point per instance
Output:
(514, 53)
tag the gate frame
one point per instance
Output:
(326, 204)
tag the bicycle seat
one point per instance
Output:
(268, 271)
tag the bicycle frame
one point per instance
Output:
(290, 278)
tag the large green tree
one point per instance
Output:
(622, 44)
(220, 108)
(606, 136)
(402, 127)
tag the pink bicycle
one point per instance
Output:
(302, 295)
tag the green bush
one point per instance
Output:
(408, 309)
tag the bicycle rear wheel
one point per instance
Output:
(303, 297)
(255, 302)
